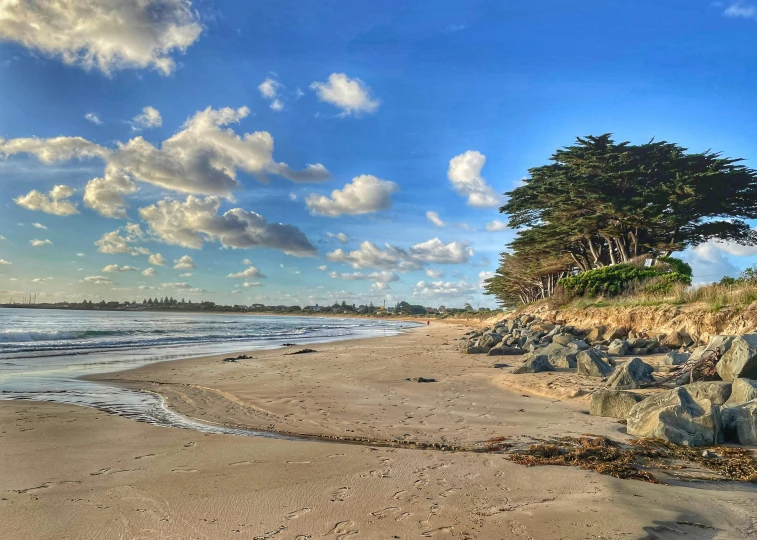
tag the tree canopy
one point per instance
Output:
(599, 203)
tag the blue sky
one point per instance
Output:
(402, 109)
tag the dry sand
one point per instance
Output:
(69, 472)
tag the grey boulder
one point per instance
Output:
(535, 364)
(591, 363)
(562, 339)
(613, 403)
(618, 347)
(632, 374)
(743, 390)
(674, 416)
(740, 423)
(740, 360)
(674, 358)
(578, 345)
(716, 391)
(490, 339)
(504, 350)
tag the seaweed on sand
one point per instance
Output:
(606, 456)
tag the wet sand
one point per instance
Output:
(71, 472)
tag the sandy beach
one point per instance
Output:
(73, 472)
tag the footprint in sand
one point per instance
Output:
(440, 530)
(386, 512)
(98, 473)
(340, 494)
(297, 513)
(183, 470)
(449, 492)
(399, 494)
(145, 456)
(343, 529)
(403, 516)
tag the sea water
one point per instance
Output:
(45, 352)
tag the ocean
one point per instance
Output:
(44, 353)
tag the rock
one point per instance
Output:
(716, 342)
(709, 454)
(674, 358)
(560, 356)
(676, 340)
(421, 380)
(716, 391)
(618, 347)
(475, 350)
(562, 339)
(504, 350)
(632, 335)
(535, 364)
(578, 345)
(613, 403)
(742, 390)
(637, 342)
(490, 339)
(631, 375)
(542, 326)
(740, 360)
(525, 319)
(674, 416)
(740, 423)
(639, 350)
(591, 363)
(614, 333)
(595, 334)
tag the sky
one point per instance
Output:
(310, 152)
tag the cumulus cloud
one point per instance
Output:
(121, 241)
(149, 272)
(364, 195)
(435, 274)
(741, 10)
(117, 268)
(97, 280)
(465, 174)
(38, 226)
(157, 259)
(42, 279)
(252, 284)
(444, 289)
(403, 260)
(195, 221)
(92, 117)
(343, 238)
(3, 261)
(323, 268)
(149, 118)
(434, 218)
(709, 263)
(54, 202)
(496, 225)
(37, 243)
(202, 158)
(381, 277)
(250, 272)
(351, 95)
(184, 262)
(104, 34)
(269, 89)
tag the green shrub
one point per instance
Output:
(613, 280)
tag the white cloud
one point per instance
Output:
(277, 105)
(246, 262)
(117, 268)
(708, 262)
(434, 218)
(381, 277)
(2, 237)
(42, 279)
(104, 34)
(250, 272)
(191, 223)
(97, 280)
(364, 195)
(113, 242)
(37, 243)
(157, 259)
(741, 10)
(186, 274)
(434, 273)
(403, 260)
(184, 262)
(80, 254)
(496, 225)
(252, 284)
(292, 196)
(445, 289)
(92, 117)
(350, 95)
(465, 174)
(343, 238)
(55, 202)
(38, 226)
(323, 268)
(202, 158)
(269, 89)
(149, 118)
(3, 261)
(149, 272)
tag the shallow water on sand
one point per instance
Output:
(44, 353)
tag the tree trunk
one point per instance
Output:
(613, 260)
(622, 249)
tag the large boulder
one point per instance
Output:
(676, 340)
(595, 334)
(615, 333)
(674, 358)
(591, 363)
(743, 390)
(618, 347)
(674, 416)
(716, 391)
(560, 356)
(613, 403)
(490, 339)
(740, 423)
(475, 349)
(542, 326)
(716, 342)
(632, 374)
(535, 364)
(562, 339)
(578, 345)
(740, 360)
(504, 350)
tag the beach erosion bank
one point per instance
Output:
(73, 472)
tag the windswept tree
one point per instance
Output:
(600, 203)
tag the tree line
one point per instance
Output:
(600, 203)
